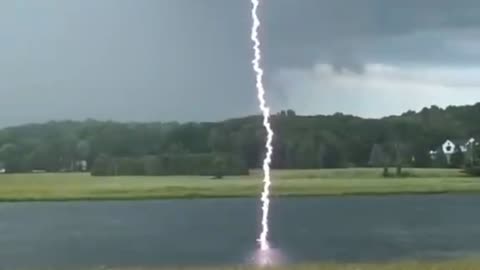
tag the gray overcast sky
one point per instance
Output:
(160, 60)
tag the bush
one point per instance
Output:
(103, 166)
(473, 171)
(171, 164)
(129, 166)
(457, 160)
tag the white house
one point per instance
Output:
(450, 147)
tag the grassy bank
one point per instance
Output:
(64, 186)
(444, 265)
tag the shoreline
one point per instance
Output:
(226, 197)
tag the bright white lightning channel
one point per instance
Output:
(263, 238)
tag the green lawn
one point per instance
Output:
(65, 186)
(444, 265)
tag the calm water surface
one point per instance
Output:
(223, 231)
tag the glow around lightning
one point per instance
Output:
(263, 238)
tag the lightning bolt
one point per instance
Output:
(263, 238)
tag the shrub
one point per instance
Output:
(103, 166)
(473, 170)
(218, 165)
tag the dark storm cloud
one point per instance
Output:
(329, 30)
(381, 41)
(190, 59)
(124, 59)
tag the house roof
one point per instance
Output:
(458, 142)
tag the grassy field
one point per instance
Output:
(444, 265)
(65, 186)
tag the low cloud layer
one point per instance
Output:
(377, 91)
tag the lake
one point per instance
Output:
(223, 231)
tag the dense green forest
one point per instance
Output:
(300, 142)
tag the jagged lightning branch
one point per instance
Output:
(263, 238)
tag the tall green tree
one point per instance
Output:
(379, 158)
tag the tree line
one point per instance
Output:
(209, 164)
(300, 142)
